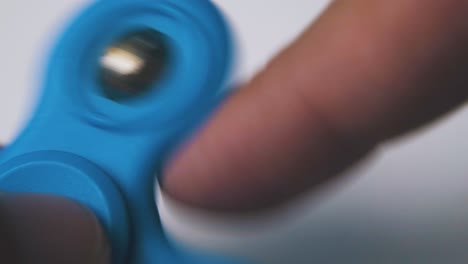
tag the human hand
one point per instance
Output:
(366, 72)
(47, 230)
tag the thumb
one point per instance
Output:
(40, 229)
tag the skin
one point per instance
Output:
(365, 73)
(43, 229)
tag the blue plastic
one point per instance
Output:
(105, 154)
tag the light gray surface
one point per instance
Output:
(407, 205)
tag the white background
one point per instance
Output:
(406, 205)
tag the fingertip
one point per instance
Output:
(324, 104)
(46, 229)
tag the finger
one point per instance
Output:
(366, 72)
(41, 229)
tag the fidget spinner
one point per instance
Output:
(128, 81)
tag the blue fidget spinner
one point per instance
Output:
(127, 83)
